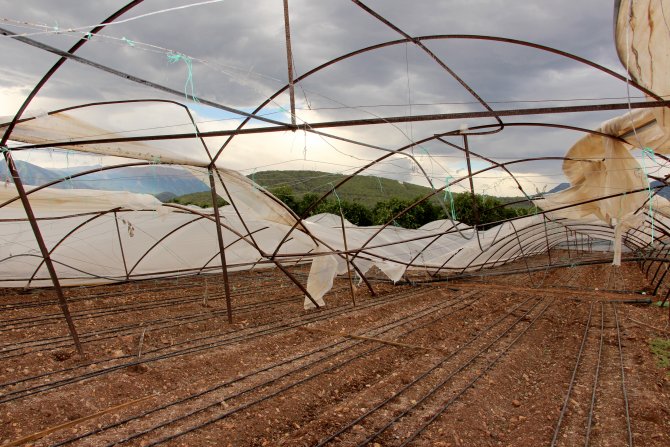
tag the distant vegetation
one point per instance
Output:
(488, 209)
(201, 199)
(363, 189)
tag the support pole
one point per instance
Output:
(346, 258)
(475, 209)
(546, 237)
(289, 61)
(123, 255)
(222, 253)
(43, 248)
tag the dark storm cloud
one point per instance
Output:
(249, 36)
(242, 44)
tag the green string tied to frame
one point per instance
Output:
(339, 203)
(4, 149)
(650, 152)
(130, 43)
(173, 58)
(381, 188)
(450, 196)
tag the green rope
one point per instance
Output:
(3, 150)
(381, 188)
(337, 196)
(173, 58)
(447, 193)
(128, 41)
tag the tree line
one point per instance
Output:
(464, 207)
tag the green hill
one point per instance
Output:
(366, 190)
(201, 199)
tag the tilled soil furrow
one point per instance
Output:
(279, 380)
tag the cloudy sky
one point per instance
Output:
(232, 53)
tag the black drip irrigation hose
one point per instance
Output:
(592, 405)
(345, 345)
(210, 342)
(423, 375)
(440, 385)
(114, 309)
(566, 401)
(60, 341)
(623, 379)
(448, 403)
(579, 363)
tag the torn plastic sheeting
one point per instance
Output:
(246, 195)
(52, 200)
(321, 276)
(64, 127)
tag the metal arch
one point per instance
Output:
(68, 234)
(443, 37)
(481, 265)
(489, 160)
(160, 240)
(498, 222)
(19, 184)
(227, 246)
(81, 42)
(80, 174)
(503, 244)
(433, 56)
(129, 77)
(265, 255)
(513, 41)
(428, 196)
(438, 136)
(327, 194)
(313, 127)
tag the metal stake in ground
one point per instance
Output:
(43, 248)
(224, 269)
(346, 259)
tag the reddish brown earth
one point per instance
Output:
(484, 361)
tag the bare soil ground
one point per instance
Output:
(552, 357)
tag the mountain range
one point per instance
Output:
(167, 182)
(162, 181)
